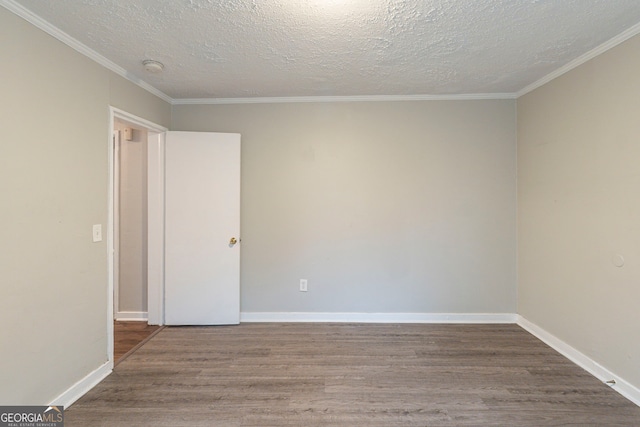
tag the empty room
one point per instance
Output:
(332, 212)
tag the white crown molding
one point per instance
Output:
(611, 43)
(65, 38)
(360, 98)
(80, 388)
(273, 317)
(623, 387)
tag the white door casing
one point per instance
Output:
(155, 177)
(202, 216)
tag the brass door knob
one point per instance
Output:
(233, 241)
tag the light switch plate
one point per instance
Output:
(97, 232)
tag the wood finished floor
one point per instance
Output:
(349, 375)
(128, 335)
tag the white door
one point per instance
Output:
(202, 228)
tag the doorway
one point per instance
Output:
(130, 321)
(212, 297)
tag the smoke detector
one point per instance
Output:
(152, 66)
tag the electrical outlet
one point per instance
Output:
(303, 285)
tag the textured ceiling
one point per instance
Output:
(285, 48)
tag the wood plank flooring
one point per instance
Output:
(128, 336)
(374, 375)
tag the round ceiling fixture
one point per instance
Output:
(152, 66)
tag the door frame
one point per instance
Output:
(117, 142)
(155, 220)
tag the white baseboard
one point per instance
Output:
(378, 317)
(600, 372)
(131, 315)
(78, 390)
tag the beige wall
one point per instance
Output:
(579, 207)
(132, 224)
(54, 116)
(382, 206)
(134, 100)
